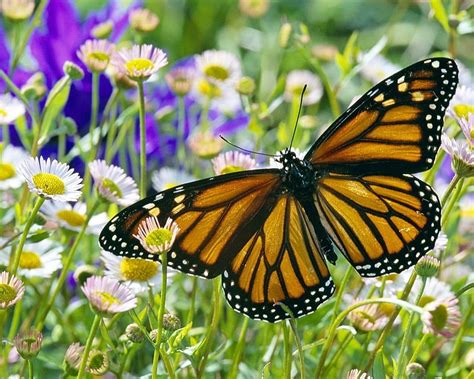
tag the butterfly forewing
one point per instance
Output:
(216, 217)
(398, 122)
(382, 224)
(281, 263)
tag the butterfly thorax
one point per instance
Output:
(299, 175)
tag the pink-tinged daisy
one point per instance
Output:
(296, 80)
(467, 127)
(143, 20)
(181, 80)
(51, 179)
(167, 177)
(28, 344)
(107, 296)
(73, 217)
(113, 183)
(137, 274)
(232, 161)
(72, 358)
(140, 61)
(205, 145)
(462, 155)
(96, 54)
(219, 67)
(155, 238)
(358, 374)
(441, 317)
(369, 317)
(10, 109)
(10, 159)
(11, 290)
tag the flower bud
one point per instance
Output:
(103, 30)
(97, 362)
(83, 272)
(427, 266)
(72, 359)
(73, 70)
(415, 371)
(134, 333)
(17, 10)
(246, 85)
(28, 344)
(171, 322)
(154, 335)
(285, 33)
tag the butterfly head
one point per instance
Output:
(299, 175)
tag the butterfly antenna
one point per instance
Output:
(247, 151)
(298, 116)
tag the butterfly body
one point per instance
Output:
(269, 232)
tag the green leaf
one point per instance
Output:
(177, 337)
(38, 236)
(440, 13)
(379, 367)
(55, 103)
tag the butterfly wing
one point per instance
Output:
(282, 262)
(216, 217)
(398, 122)
(382, 224)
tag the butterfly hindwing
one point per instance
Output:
(282, 263)
(397, 123)
(216, 216)
(382, 224)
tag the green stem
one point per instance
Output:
(112, 130)
(205, 116)
(450, 199)
(87, 348)
(190, 315)
(92, 128)
(467, 287)
(34, 23)
(30, 369)
(161, 312)
(407, 335)
(388, 328)
(452, 185)
(21, 244)
(298, 346)
(6, 135)
(418, 347)
(287, 351)
(141, 97)
(65, 270)
(234, 369)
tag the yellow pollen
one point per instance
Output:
(7, 293)
(7, 171)
(3, 113)
(30, 260)
(50, 184)
(296, 91)
(208, 89)
(170, 185)
(462, 110)
(112, 187)
(158, 237)
(139, 270)
(425, 299)
(216, 72)
(107, 297)
(100, 56)
(138, 64)
(231, 168)
(73, 218)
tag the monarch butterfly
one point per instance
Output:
(269, 232)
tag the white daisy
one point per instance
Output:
(462, 155)
(462, 102)
(51, 179)
(205, 145)
(168, 177)
(73, 217)
(233, 161)
(143, 20)
(107, 296)
(113, 183)
(10, 109)
(96, 54)
(467, 127)
(10, 159)
(37, 260)
(11, 290)
(219, 67)
(138, 274)
(434, 289)
(221, 97)
(17, 10)
(156, 238)
(140, 61)
(376, 68)
(181, 80)
(296, 80)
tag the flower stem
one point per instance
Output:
(87, 348)
(161, 312)
(298, 346)
(287, 351)
(452, 185)
(65, 270)
(21, 244)
(239, 349)
(418, 347)
(450, 198)
(30, 369)
(407, 334)
(141, 97)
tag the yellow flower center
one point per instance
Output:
(208, 89)
(440, 316)
(100, 56)
(30, 260)
(7, 171)
(3, 113)
(216, 72)
(462, 110)
(72, 218)
(139, 270)
(231, 168)
(296, 91)
(170, 185)
(158, 237)
(112, 187)
(107, 297)
(48, 183)
(425, 299)
(7, 293)
(138, 64)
